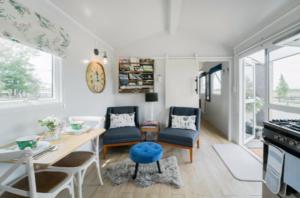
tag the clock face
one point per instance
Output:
(95, 77)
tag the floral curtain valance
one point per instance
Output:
(21, 24)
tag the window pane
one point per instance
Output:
(276, 114)
(25, 73)
(249, 120)
(216, 82)
(284, 81)
(202, 85)
(249, 78)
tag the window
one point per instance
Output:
(284, 76)
(202, 89)
(26, 74)
(277, 114)
(216, 82)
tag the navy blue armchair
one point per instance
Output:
(124, 135)
(183, 138)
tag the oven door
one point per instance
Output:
(290, 179)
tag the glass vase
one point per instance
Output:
(52, 135)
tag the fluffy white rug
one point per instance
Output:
(148, 175)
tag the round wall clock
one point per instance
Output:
(95, 77)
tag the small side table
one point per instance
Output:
(150, 129)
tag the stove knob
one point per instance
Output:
(281, 139)
(292, 143)
(298, 147)
(276, 137)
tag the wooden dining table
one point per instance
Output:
(66, 144)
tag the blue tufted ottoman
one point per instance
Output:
(144, 153)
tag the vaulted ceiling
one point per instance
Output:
(174, 27)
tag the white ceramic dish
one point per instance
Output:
(69, 130)
(41, 146)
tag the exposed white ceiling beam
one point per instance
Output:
(175, 7)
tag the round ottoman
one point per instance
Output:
(144, 153)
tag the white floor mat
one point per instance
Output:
(241, 164)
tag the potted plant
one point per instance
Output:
(52, 124)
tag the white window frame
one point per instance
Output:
(56, 86)
(213, 75)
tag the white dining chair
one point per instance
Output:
(34, 184)
(78, 162)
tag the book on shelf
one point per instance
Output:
(149, 123)
(136, 75)
(147, 68)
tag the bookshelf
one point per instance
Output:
(136, 75)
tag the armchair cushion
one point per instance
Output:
(185, 111)
(121, 120)
(184, 122)
(122, 110)
(121, 135)
(183, 137)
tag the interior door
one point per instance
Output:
(181, 84)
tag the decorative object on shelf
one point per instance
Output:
(136, 75)
(151, 97)
(52, 124)
(104, 56)
(22, 24)
(95, 77)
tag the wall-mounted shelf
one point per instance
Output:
(136, 75)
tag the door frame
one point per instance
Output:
(248, 101)
(230, 75)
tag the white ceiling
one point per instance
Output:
(154, 28)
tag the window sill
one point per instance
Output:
(29, 104)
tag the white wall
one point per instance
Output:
(78, 100)
(258, 40)
(180, 83)
(216, 110)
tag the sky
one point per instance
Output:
(289, 67)
(286, 61)
(43, 68)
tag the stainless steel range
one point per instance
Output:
(285, 134)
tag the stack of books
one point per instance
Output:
(150, 124)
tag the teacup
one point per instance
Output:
(27, 141)
(76, 125)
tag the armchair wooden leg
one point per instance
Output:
(198, 143)
(191, 155)
(105, 150)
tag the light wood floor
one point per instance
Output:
(206, 177)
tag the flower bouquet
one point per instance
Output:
(52, 124)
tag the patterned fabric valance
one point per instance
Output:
(21, 24)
